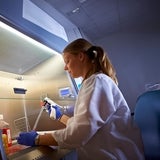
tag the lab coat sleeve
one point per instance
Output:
(94, 106)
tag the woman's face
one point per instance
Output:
(73, 64)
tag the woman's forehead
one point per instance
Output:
(67, 55)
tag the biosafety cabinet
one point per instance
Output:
(29, 72)
(21, 97)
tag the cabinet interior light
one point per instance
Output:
(27, 38)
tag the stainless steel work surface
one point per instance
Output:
(39, 153)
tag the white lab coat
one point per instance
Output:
(102, 127)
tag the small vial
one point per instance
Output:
(5, 143)
(4, 126)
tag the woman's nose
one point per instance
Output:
(65, 68)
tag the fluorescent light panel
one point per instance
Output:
(27, 38)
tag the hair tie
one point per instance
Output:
(95, 53)
(92, 53)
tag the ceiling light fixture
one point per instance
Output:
(82, 1)
(75, 10)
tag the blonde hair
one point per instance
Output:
(100, 59)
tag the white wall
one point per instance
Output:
(136, 57)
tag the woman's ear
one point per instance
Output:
(81, 56)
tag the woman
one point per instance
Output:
(101, 127)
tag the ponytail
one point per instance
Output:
(101, 62)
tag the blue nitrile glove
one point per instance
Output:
(27, 138)
(55, 111)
